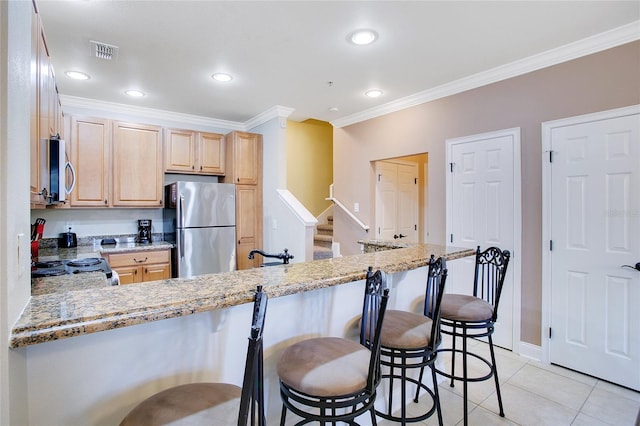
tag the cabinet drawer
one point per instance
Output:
(138, 258)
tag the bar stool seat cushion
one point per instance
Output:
(325, 366)
(405, 330)
(191, 404)
(462, 307)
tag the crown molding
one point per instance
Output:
(597, 43)
(156, 114)
(276, 111)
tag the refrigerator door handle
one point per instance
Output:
(182, 243)
(181, 211)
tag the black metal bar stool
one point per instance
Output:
(409, 341)
(474, 316)
(331, 379)
(213, 403)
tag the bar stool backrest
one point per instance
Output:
(376, 296)
(252, 398)
(436, 279)
(491, 269)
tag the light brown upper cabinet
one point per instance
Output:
(138, 178)
(244, 158)
(46, 111)
(192, 152)
(117, 164)
(91, 157)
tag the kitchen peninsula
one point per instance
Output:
(110, 351)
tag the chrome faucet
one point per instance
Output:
(285, 256)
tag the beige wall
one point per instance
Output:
(310, 163)
(602, 81)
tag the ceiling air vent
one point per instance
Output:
(103, 50)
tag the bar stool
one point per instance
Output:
(409, 341)
(474, 316)
(213, 403)
(331, 379)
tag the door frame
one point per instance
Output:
(547, 129)
(376, 200)
(515, 262)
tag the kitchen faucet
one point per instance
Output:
(285, 256)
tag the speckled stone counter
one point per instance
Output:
(94, 308)
(97, 250)
(371, 246)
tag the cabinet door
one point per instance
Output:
(248, 224)
(129, 274)
(91, 158)
(35, 186)
(137, 165)
(179, 151)
(211, 153)
(245, 157)
(161, 271)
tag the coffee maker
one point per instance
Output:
(144, 231)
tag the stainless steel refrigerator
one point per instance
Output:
(200, 219)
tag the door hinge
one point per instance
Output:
(451, 238)
(550, 245)
(378, 230)
(379, 177)
(549, 332)
(451, 167)
(415, 181)
(415, 227)
(551, 156)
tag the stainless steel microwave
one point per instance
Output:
(57, 172)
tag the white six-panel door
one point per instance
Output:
(594, 212)
(483, 209)
(396, 202)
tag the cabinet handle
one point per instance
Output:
(200, 167)
(105, 202)
(238, 179)
(146, 270)
(193, 167)
(140, 261)
(135, 272)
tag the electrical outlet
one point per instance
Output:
(356, 207)
(23, 249)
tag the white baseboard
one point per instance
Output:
(530, 351)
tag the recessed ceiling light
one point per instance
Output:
(77, 75)
(220, 76)
(135, 93)
(363, 37)
(374, 93)
(333, 109)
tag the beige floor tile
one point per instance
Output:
(480, 416)
(451, 408)
(584, 420)
(619, 390)
(611, 408)
(526, 408)
(560, 389)
(588, 380)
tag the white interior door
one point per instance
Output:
(396, 202)
(483, 209)
(595, 228)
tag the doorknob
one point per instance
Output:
(395, 236)
(401, 236)
(637, 267)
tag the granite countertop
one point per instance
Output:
(97, 250)
(380, 245)
(94, 307)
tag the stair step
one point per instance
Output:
(325, 229)
(322, 240)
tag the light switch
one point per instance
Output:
(356, 207)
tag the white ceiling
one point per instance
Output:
(286, 53)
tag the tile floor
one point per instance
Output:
(532, 394)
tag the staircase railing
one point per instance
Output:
(345, 209)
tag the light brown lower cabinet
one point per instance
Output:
(141, 266)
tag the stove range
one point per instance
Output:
(75, 266)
